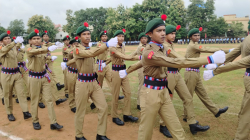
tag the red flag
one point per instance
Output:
(205, 35)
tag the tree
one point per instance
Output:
(217, 27)
(70, 27)
(16, 27)
(236, 29)
(2, 30)
(42, 23)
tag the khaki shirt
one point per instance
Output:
(154, 60)
(85, 61)
(8, 55)
(104, 55)
(169, 49)
(20, 55)
(48, 58)
(118, 55)
(139, 50)
(194, 50)
(37, 58)
(65, 51)
(71, 60)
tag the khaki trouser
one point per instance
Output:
(194, 83)
(84, 91)
(118, 82)
(25, 76)
(106, 73)
(10, 82)
(141, 81)
(1, 88)
(176, 82)
(155, 102)
(37, 87)
(54, 90)
(243, 129)
(71, 81)
(53, 74)
(65, 72)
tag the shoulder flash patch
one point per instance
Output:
(168, 51)
(0, 47)
(65, 49)
(112, 52)
(142, 49)
(71, 52)
(200, 47)
(99, 45)
(77, 51)
(150, 55)
(29, 48)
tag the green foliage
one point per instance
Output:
(236, 29)
(2, 30)
(42, 23)
(16, 27)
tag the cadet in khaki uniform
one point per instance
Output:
(118, 56)
(50, 70)
(39, 80)
(176, 82)
(101, 63)
(192, 74)
(87, 86)
(65, 48)
(11, 79)
(154, 96)
(49, 63)
(143, 42)
(243, 129)
(72, 73)
(1, 89)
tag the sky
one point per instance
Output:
(56, 9)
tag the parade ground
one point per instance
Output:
(225, 90)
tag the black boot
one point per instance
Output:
(41, 105)
(26, 115)
(37, 126)
(118, 121)
(120, 97)
(99, 137)
(3, 101)
(92, 106)
(165, 132)
(67, 95)
(28, 98)
(11, 117)
(194, 128)
(138, 107)
(185, 120)
(73, 110)
(61, 101)
(129, 118)
(82, 138)
(17, 100)
(223, 110)
(56, 126)
(59, 87)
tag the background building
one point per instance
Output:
(61, 33)
(244, 20)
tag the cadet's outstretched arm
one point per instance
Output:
(118, 54)
(134, 67)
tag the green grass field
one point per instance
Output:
(225, 90)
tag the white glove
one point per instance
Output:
(63, 65)
(22, 46)
(90, 44)
(19, 39)
(27, 61)
(208, 74)
(59, 44)
(123, 73)
(103, 65)
(211, 66)
(218, 57)
(231, 49)
(52, 48)
(112, 42)
(53, 58)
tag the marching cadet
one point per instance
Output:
(65, 48)
(45, 37)
(101, 63)
(1, 89)
(143, 42)
(49, 66)
(243, 129)
(192, 74)
(154, 96)
(11, 79)
(39, 80)
(72, 73)
(117, 55)
(86, 86)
